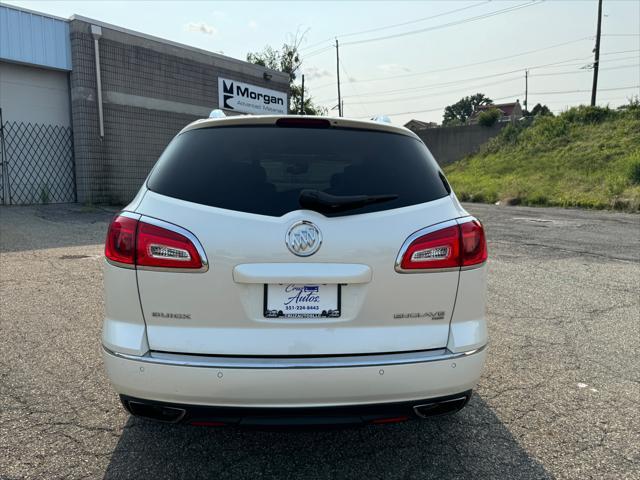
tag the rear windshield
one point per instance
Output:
(263, 169)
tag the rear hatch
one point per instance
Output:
(259, 198)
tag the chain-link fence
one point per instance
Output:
(38, 164)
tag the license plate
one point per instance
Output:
(289, 300)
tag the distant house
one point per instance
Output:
(415, 125)
(510, 112)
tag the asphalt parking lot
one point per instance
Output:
(559, 397)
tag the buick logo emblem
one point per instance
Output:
(303, 239)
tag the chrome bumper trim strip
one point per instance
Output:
(344, 361)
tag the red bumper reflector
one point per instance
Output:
(379, 421)
(208, 424)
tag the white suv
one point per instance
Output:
(294, 270)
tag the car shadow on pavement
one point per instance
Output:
(471, 444)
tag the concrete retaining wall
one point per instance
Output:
(449, 144)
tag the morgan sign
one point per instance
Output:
(246, 98)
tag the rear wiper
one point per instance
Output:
(327, 203)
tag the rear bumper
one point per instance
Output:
(213, 416)
(330, 382)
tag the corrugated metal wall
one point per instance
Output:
(34, 39)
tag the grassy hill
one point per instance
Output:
(584, 157)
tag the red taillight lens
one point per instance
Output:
(135, 242)
(474, 243)
(439, 249)
(450, 247)
(120, 245)
(159, 247)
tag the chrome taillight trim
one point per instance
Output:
(473, 267)
(130, 266)
(425, 231)
(338, 361)
(135, 216)
(174, 228)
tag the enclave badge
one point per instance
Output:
(303, 239)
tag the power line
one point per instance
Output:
(439, 93)
(362, 107)
(482, 77)
(562, 63)
(600, 100)
(508, 80)
(442, 108)
(512, 96)
(457, 67)
(450, 24)
(319, 51)
(436, 27)
(573, 72)
(583, 91)
(386, 27)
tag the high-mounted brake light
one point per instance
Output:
(453, 246)
(141, 244)
(303, 122)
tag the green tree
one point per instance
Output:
(539, 109)
(489, 117)
(459, 112)
(288, 60)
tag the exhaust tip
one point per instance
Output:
(155, 412)
(441, 407)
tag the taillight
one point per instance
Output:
(159, 247)
(458, 245)
(120, 245)
(439, 249)
(474, 243)
(138, 243)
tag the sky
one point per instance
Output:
(409, 59)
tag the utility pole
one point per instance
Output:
(596, 61)
(302, 100)
(526, 89)
(338, 75)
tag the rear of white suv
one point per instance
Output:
(294, 270)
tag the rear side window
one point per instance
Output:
(263, 169)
